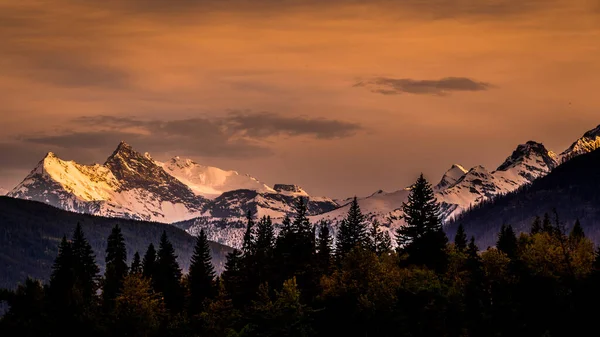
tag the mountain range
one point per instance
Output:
(192, 196)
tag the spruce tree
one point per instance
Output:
(149, 262)
(167, 278)
(476, 298)
(536, 226)
(202, 275)
(136, 264)
(85, 268)
(116, 267)
(324, 244)
(547, 226)
(507, 241)
(263, 250)
(233, 282)
(422, 237)
(248, 243)
(577, 232)
(62, 279)
(460, 239)
(352, 231)
(379, 241)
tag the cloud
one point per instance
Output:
(441, 87)
(237, 134)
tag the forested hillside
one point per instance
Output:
(30, 232)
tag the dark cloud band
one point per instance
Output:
(444, 86)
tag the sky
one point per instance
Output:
(342, 97)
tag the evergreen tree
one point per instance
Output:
(460, 239)
(62, 279)
(248, 243)
(352, 231)
(167, 278)
(577, 232)
(136, 264)
(233, 282)
(547, 226)
(422, 238)
(507, 241)
(380, 242)
(324, 248)
(116, 267)
(476, 298)
(202, 274)
(85, 268)
(596, 264)
(149, 262)
(263, 250)
(536, 226)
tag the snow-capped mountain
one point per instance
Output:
(135, 186)
(210, 182)
(589, 142)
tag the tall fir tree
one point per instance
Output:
(136, 264)
(233, 280)
(167, 278)
(422, 238)
(85, 268)
(476, 297)
(507, 241)
(577, 233)
(116, 267)
(460, 239)
(324, 250)
(201, 278)
(536, 226)
(248, 243)
(379, 241)
(547, 226)
(149, 262)
(352, 231)
(263, 250)
(62, 279)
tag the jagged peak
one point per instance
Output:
(457, 166)
(526, 150)
(593, 133)
(451, 176)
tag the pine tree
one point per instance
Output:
(136, 264)
(248, 243)
(476, 298)
(263, 250)
(460, 239)
(62, 279)
(422, 238)
(116, 267)
(547, 226)
(507, 241)
(233, 282)
(85, 268)
(380, 242)
(324, 244)
(352, 231)
(536, 226)
(577, 233)
(149, 262)
(202, 275)
(167, 278)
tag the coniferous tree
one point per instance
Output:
(136, 264)
(577, 232)
(85, 268)
(352, 231)
(116, 267)
(475, 294)
(507, 241)
(379, 241)
(248, 243)
(149, 262)
(547, 226)
(536, 226)
(596, 264)
(233, 281)
(202, 274)
(263, 250)
(460, 239)
(324, 244)
(422, 238)
(62, 279)
(167, 278)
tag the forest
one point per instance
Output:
(303, 282)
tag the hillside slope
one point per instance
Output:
(31, 231)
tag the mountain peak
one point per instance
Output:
(531, 150)
(290, 189)
(589, 142)
(451, 176)
(593, 133)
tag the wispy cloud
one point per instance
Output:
(441, 87)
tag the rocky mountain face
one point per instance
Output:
(134, 186)
(194, 197)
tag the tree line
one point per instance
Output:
(299, 283)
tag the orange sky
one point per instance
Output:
(299, 92)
